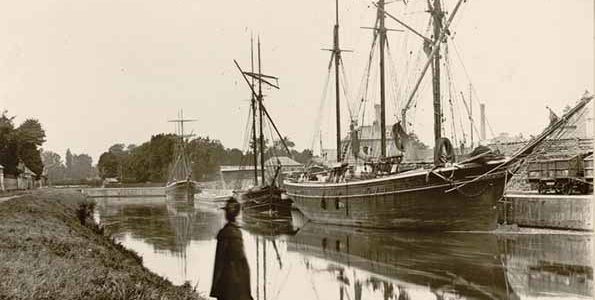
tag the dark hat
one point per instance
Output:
(231, 204)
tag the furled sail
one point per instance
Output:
(400, 136)
(354, 141)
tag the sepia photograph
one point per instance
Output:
(297, 150)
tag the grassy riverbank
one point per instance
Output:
(50, 248)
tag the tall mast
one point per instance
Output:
(182, 124)
(437, 16)
(337, 57)
(382, 33)
(181, 145)
(260, 114)
(471, 114)
(253, 104)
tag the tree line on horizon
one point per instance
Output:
(151, 161)
(74, 169)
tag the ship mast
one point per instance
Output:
(257, 99)
(180, 125)
(180, 131)
(260, 110)
(437, 16)
(440, 32)
(382, 33)
(253, 104)
(337, 57)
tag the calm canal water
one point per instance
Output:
(301, 260)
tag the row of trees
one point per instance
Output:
(151, 161)
(20, 144)
(75, 166)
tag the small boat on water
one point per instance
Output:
(180, 184)
(181, 189)
(384, 191)
(265, 199)
(212, 199)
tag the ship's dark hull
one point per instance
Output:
(265, 202)
(415, 201)
(182, 190)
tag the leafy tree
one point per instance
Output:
(31, 157)
(108, 165)
(118, 150)
(266, 145)
(151, 160)
(82, 167)
(278, 144)
(303, 157)
(235, 157)
(20, 144)
(53, 163)
(68, 160)
(115, 162)
(205, 156)
(279, 149)
(31, 132)
(8, 155)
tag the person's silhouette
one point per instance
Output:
(231, 274)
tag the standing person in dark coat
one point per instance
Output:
(231, 275)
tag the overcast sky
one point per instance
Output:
(99, 72)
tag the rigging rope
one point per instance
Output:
(450, 96)
(420, 55)
(366, 79)
(321, 107)
(247, 134)
(393, 78)
(346, 91)
(473, 90)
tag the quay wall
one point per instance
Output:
(124, 192)
(571, 212)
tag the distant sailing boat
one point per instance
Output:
(450, 195)
(264, 199)
(180, 183)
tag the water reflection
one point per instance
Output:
(290, 260)
(544, 265)
(400, 264)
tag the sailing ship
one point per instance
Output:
(449, 195)
(180, 183)
(265, 199)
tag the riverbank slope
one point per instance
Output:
(50, 248)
